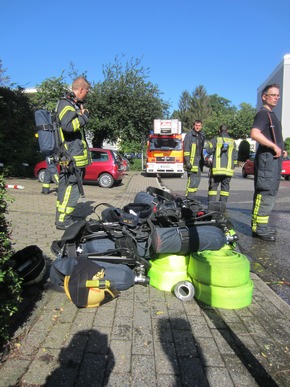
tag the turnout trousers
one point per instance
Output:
(67, 197)
(193, 180)
(266, 182)
(51, 174)
(213, 183)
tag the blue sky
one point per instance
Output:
(228, 46)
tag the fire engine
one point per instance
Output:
(165, 149)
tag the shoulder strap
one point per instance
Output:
(272, 128)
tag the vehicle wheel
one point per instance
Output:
(40, 175)
(106, 180)
(244, 173)
(287, 177)
(118, 182)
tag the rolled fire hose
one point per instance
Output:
(184, 290)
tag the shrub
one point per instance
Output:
(10, 283)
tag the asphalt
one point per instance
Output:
(145, 337)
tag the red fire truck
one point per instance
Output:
(164, 149)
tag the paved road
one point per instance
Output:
(269, 260)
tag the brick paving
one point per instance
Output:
(145, 337)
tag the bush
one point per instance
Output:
(10, 283)
(136, 164)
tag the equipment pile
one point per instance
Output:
(158, 240)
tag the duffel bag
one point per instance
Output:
(184, 240)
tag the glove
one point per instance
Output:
(188, 165)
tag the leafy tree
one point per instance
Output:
(124, 105)
(4, 79)
(287, 145)
(243, 121)
(49, 92)
(222, 112)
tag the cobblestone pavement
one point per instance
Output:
(145, 337)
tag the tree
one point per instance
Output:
(200, 104)
(222, 112)
(243, 121)
(124, 105)
(4, 79)
(184, 114)
(49, 92)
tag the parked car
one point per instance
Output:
(207, 160)
(248, 167)
(107, 168)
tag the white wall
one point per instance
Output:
(280, 75)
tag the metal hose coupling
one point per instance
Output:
(184, 290)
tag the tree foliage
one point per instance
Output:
(49, 92)
(4, 79)
(214, 110)
(17, 141)
(10, 283)
(124, 105)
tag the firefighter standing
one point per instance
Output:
(267, 131)
(51, 174)
(223, 149)
(72, 117)
(193, 158)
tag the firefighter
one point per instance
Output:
(267, 131)
(223, 149)
(75, 155)
(51, 174)
(193, 158)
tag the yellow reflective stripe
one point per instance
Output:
(65, 110)
(76, 124)
(262, 219)
(222, 171)
(62, 206)
(224, 193)
(44, 185)
(56, 177)
(212, 193)
(192, 153)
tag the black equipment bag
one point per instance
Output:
(47, 131)
(120, 276)
(185, 240)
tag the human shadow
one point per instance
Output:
(86, 361)
(247, 358)
(182, 351)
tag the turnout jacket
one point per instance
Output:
(223, 149)
(193, 150)
(72, 131)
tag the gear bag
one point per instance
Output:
(89, 282)
(47, 132)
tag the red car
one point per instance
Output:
(248, 167)
(107, 168)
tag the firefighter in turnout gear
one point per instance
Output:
(51, 174)
(193, 158)
(223, 149)
(75, 155)
(267, 131)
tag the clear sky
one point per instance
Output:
(228, 46)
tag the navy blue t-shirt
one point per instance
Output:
(262, 122)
